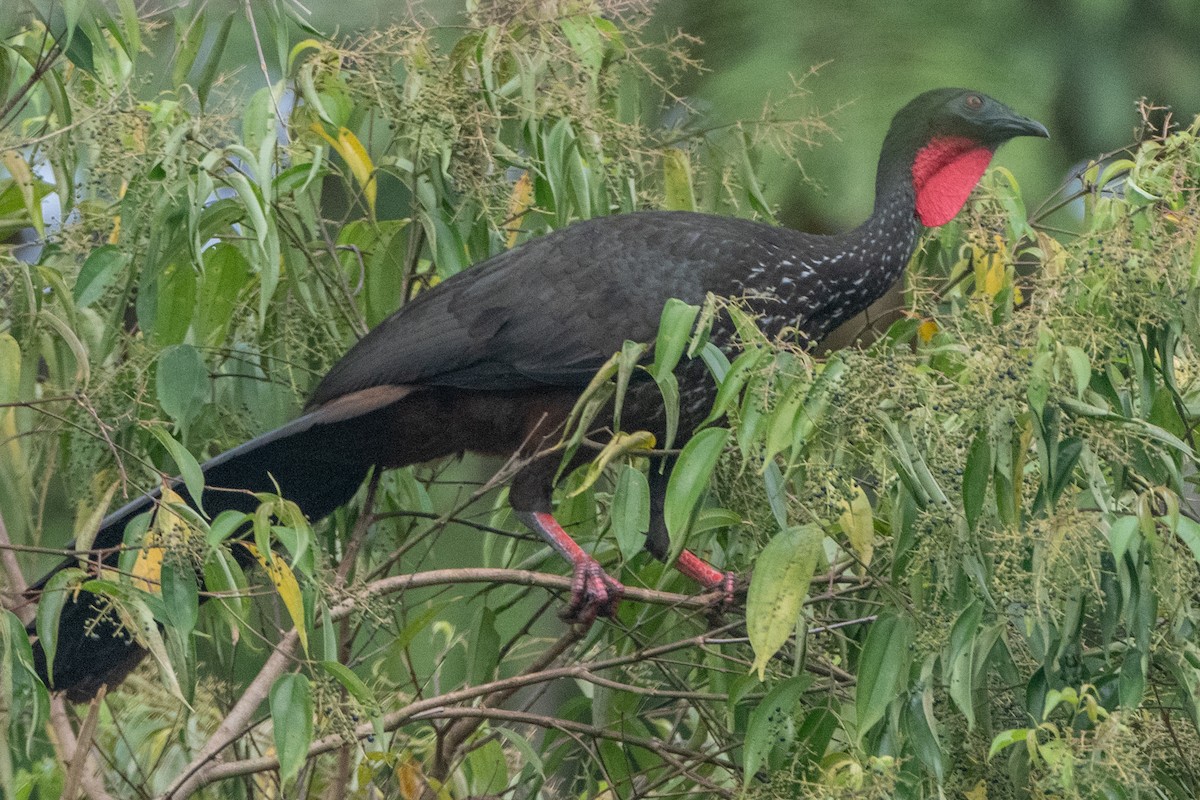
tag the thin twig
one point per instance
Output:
(15, 580)
(75, 756)
(237, 721)
(198, 775)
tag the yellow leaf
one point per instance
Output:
(518, 203)
(171, 529)
(147, 570)
(992, 268)
(355, 155)
(977, 793)
(360, 164)
(411, 782)
(115, 236)
(993, 280)
(168, 529)
(858, 522)
(22, 176)
(926, 331)
(11, 449)
(289, 590)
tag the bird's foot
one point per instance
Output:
(594, 593)
(727, 588)
(710, 578)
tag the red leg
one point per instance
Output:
(658, 542)
(593, 592)
(707, 575)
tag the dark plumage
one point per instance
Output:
(493, 359)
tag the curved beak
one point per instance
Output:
(1012, 125)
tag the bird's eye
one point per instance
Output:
(974, 102)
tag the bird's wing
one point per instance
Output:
(547, 313)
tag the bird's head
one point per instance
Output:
(942, 141)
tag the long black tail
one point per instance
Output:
(318, 461)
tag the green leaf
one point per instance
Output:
(921, 731)
(1132, 683)
(959, 666)
(189, 38)
(768, 720)
(520, 742)
(778, 588)
(351, 683)
(487, 770)
(258, 121)
(776, 493)
(181, 596)
(1007, 739)
(140, 611)
(1122, 534)
(176, 302)
(975, 478)
(49, 610)
(213, 61)
(733, 381)
(627, 361)
(689, 481)
(858, 522)
(182, 383)
(10, 370)
(881, 668)
(97, 274)
(189, 468)
(225, 273)
(226, 524)
(580, 31)
(291, 722)
(674, 331)
(630, 513)
(1187, 529)
(1081, 369)
(223, 577)
(668, 387)
(484, 650)
(677, 181)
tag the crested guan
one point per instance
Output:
(493, 359)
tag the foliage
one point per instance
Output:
(991, 505)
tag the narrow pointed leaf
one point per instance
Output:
(689, 481)
(881, 667)
(631, 511)
(58, 590)
(291, 722)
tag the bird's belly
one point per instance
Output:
(439, 422)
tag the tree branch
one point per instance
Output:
(237, 722)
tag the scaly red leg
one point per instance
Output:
(708, 576)
(593, 592)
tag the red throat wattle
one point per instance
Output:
(944, 173)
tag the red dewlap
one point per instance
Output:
(944, 173)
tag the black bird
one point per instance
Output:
(493, 359)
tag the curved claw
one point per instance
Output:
(727, 587)
(593, 593)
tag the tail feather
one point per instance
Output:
(317, 461)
